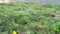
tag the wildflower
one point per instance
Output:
(14, 32)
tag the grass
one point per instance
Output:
(34, 18)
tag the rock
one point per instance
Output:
(4, 1)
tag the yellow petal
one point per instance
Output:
(14, 32)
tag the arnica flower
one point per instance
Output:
(14, 32)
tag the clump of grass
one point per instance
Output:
(33, 17)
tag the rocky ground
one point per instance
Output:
(40, 1)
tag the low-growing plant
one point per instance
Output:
(33, 17)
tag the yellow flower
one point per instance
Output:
(14, 32)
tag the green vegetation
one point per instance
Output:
(34, 18)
